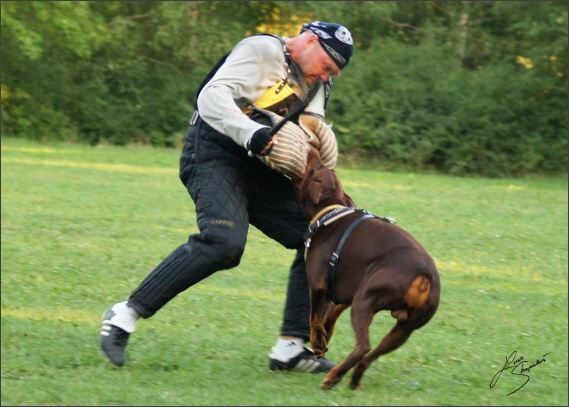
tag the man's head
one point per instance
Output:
(321, 50)
(335, 39)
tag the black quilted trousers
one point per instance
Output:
(230, 190)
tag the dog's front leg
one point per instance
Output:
(332, 315)
(317, 332)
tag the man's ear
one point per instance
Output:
(312, 39)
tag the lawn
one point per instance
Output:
(83, 226)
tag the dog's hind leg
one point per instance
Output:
(394, 339)
(362, 315)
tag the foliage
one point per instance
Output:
(425, 107)
(492, 122)
(460, 87)
(37, 26)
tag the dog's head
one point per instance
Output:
(320, 187)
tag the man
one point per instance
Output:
(232, 188)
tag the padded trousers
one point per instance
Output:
(230, 190)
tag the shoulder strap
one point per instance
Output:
(222, 61)
(290, 62)
(294, 66)
(310, 92)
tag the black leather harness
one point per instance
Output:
(336, 212)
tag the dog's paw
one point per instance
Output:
(319, 348)
(319, 353)
(355, 386)
(328, 383)
(318, 342)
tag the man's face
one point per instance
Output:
(315, 63)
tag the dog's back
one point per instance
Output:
(382, 256)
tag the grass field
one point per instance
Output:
(82, 226)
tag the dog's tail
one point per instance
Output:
(418, 292)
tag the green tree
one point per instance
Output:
(453, 94)
(459, 87)
(40, 42)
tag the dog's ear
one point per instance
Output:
(313, 158)
(313, 188)
(313, 192)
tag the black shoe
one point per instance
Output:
(113, 340)
(304, 362)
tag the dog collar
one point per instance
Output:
(322, 212)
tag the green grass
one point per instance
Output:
(82, 226)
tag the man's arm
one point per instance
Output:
(253, 65)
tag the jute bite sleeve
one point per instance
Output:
(294, 141)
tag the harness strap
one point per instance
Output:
(328, 215)
(336, 256)
(292, 66)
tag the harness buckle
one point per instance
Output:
(194, 118)
(333, 260)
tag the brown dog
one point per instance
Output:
(379, 267)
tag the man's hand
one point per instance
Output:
(261, 143)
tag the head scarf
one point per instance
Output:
(335, 39)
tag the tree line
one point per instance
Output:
(463, 88)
